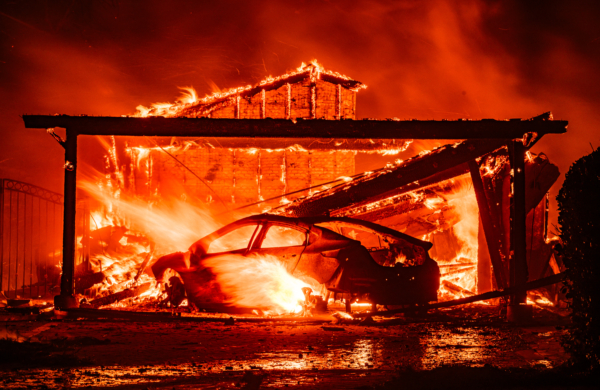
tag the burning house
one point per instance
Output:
(243, 171)
(287, 145)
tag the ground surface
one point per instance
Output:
(296, 353)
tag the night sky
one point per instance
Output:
(422, 60)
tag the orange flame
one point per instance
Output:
(190, 97)
(258, 282)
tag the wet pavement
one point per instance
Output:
(279, 354)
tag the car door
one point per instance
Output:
(201, 286)
(285, 242)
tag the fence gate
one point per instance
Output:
(30, 240)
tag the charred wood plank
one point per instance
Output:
(490, 227)
(415, 169)
(354, 210)
(455, 288)
(298, 128)
(142, 268)
(119, 296)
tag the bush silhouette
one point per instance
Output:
(579, 219)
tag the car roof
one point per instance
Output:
(307, 222)
(372, 226)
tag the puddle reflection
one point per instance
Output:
(380, 350)
(363, 354)
(456, 346)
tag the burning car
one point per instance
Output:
(352, 259)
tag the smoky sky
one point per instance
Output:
(420, 59)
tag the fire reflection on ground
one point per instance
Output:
(297, 353)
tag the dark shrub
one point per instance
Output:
(579, 219)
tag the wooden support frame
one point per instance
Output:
(490, 130)
(67, 299)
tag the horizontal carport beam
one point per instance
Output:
(282, 128)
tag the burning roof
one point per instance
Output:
(191, 106)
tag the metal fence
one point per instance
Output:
(30, 239)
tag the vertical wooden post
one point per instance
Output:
(489, 227)
(66, 299)
(518, 234)
(85, 240)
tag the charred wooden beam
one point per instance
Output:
(354, 210)
(456, 289)
(142, 268)
(282, 128)
(119, 296)
(490, 228)
(415, 169)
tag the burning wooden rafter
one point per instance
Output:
(410, 171)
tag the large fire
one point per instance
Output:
(144, 231)
(132, 231)
(131, 223)
(147, 230)
(459, 271)
(258, 282)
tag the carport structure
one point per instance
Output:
(481, 137)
